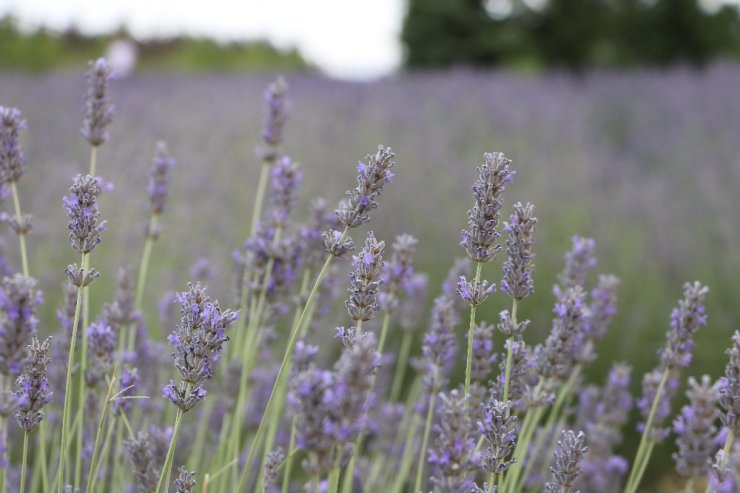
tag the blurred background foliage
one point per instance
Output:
(575, 34)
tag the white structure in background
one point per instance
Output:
(122, 55)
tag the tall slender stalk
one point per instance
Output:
(164, 477)
(21, 234)
(425, 441)
(91, 477)
(401, 364)
(68, 387)
(469, 364)
(82, 388)
(25, 459)
(509, 353)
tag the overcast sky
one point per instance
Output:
(349, 39)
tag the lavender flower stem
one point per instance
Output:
(21, 234)
(468, 368)
(93, 159)
(144, 265)
(25, 459)
(259, 197)
(401, 364)
(284, 364)
(407, 460)
(164, 478)
(106, 448)
(384, 331)
(729, 441)
(509, 353)
(42, 459)
(68, 387)
(644, 450)
(91, 477)
(529, 425)
(82, 391)
(425, 439)
(689, 488)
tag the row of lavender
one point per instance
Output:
(363, 424)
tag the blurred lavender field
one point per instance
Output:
(647, 163)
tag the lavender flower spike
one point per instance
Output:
(686, 319)
(82, 209)
(12, 160)
(518, 267)
(140, 451)
(157, 188)
(499, 428)
(18, 301)
(480, 241)
(695, 429)
(33, 393)
(729, 388)
(278, 106)
(566, 468)
(197, 341)
(373, 175)
(286, 176)
(578, 261)
(399, 272)
(365, 280)
(98, 108)
(185, 481)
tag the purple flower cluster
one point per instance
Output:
(12, 160)
(82, 209)
(500, 429)
(518, 267)
(127, 386)
(98, 108)
(101, 342)
(474, 292)
(365, 280)
(696, 433)
(729, 387)
(399, 272)
(563, 347)
(278, 106)
(578, 262)
(603, 306)
(686, 319)
(185, 481)
(158, 180)
(286, 177)
(33, 385)
(493, 176)
(650, 384)
(439, 345)
(566, 468)
(18, 301)
(197, 341)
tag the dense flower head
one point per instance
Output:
(185, 480)
(312, 242)
(398, 272)
(686, 319)
(18, 301)
(729, 387)
(566, 467)
(500, 429)
(365, 279)
(98, 108)
(127, 386)
(277, 106)
(158, 179)
(121, 313)
(412, 308)
(521, 367)
(286, 177)
(461, 267)
(33, 386)
(197, 341)
(650, 384)
(474, 292)
(603, 306)
(518, 267)
(12, 160)
(439, 345)
(335, 244)
(373, 174)
(141, 453)
(563, 347)
(480, 241)
(508, 327)
(579, 260)
(101, 345)
(724, 472)
(272, 465)
(82, 209)
(483, 355)
(453, 455)
(696, 433)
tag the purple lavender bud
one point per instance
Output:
(483, 218)
(3, 449)
(121, 313)
(686, 319)
(82, 209)
(729, 387)
(33, 386)
(273, 462)
(303, 356)
(197, 340)
(310, 235)
(311, 398)
(500, 429)
(157, 188)
(507, 326)
(365, 280)
(5, 268)
(453, 455)
(474, 292)
(566, 468)
(398, 272)
(98, 108)
(696, 433)
(141, 453)
(603, 306)
(521, 366)
(278, 105)
(12, 160)
(483, 355)
(185, 481)
(578, 261)
(650, 383)
(101, 345)
(724, 472)
(286, 177)
(372, 176)
(203, 270)
(461, 267)
(518, 267)
(439, 345)
(563, 347)
(127, 386)
(334, 245)
(415, 303)
(18, 301)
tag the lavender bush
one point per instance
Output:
(289, 391)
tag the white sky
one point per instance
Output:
(348, 39)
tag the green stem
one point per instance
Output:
(25, 459)
(403, 358)
(425, 441)
(469, 365)
(43, 459)
(529, 425)
(164, 478)
(334, 474)
(690, 485)
(93, 160)
(509, 354)
(283, 365)
(82, 388)
(21, 235)
(68, 388)
(259, 197)
(642, 454)
(98, 437)
(407, 460)
(289, 459)
(106, 449)
(384, 331)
